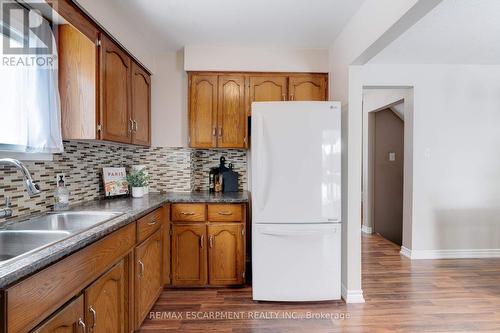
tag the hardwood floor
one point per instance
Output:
(401, 296)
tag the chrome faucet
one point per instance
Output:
(32, 188)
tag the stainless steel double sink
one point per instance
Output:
(25, 237)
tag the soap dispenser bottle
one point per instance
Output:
(61, 195)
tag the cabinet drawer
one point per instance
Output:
(148, 224)
(188, 212)
(225, 213)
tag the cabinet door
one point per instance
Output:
(141, 106)
(307, 87)
(105, 302)
(189, 254)
(78, 59)
(202, 111)
(267, 89)
(232, 117)
(70, 319)
(148, 277)
(115, 91)
(226, 253)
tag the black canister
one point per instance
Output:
(230, 179)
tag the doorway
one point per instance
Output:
(388, 146)
(387, 163)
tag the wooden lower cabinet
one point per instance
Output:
(189, 254)
(148, 277)
(211, 251)
(70, 319)
(105, 302)
(226, 253)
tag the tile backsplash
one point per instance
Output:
(171, 169)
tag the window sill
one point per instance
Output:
(27, 156)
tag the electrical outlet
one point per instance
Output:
(60, 177)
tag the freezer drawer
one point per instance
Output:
(296, 262)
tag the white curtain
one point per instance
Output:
(29, 97)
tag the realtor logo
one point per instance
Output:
(25, 31)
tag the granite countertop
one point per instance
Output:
(131, 209)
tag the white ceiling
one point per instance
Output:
(455, 32)
(248, 23)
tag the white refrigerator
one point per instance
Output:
(296, 201)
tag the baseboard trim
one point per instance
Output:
(450, 254)
(367, 230)
(352, 296)
(405, 252)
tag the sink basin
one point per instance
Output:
(31, 235)
(15, 243)
(68, 221)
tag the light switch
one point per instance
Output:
(392, 157)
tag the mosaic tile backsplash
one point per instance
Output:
(171, 169)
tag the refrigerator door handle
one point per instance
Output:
(264, 162)
(311, 232)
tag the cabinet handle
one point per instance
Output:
(214, 131)
(225, 213)
(292, 97)
(152, 222)
(283, 97)
(211, 240)
(82, 324)
(220, 132)
(94, 317)
(131, 125)
(141, 265)
(187, 213)
(202, 238)
(135, 126)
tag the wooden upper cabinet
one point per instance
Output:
(189, 254)
(115, 91)
(203, 111)
(226, 253)
(308, 87)
(267, 89)
(78, 58)
(232, 116)
(70, 319)
(105, 93)
(141, 106)
(148, 278)
(105, 302)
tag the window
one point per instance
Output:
(29, 98)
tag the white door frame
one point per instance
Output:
(376, 99)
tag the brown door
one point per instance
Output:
(141, 106)
(148, 278)
(307, 87)
(105, 302)
(115, 92)
(69, 319)
(226, 253)
(203, 111)
(268, 89)
(189, 254)
(388, 175)
(232, 117)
